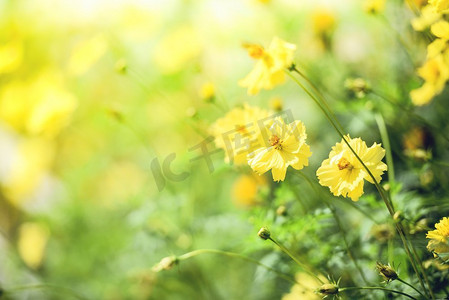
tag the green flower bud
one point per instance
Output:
(264, 233)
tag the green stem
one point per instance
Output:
(67, 291)
(303, 266)
(406, 283)
(235, 255)
(375, 288)
(386, 142)
(343, 232)
(329, 115)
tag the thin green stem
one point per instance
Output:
(340, 226)
(303, 266)
(67, 291)
(406, 283)
(376, 288)
(386, 142)
(235, 255)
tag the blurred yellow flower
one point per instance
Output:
(40, 107)
(426, 19)
(271, 64)
(85, 54)
(33, 159)
(323, 21)
(11, 56)
(439, 237)
(236, 132)
(207, 91)
(245, 189)
(344, 174)
(435, 72)
(33, 238)
(374, 6)
(281, 145)
(177, 49)
(439, 5)
(305, 288)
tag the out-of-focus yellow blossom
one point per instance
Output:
(11, 56)
(439, 238)
(419, 3)
(33, 238)
(34, 158)
(281, 145)
(344, 174)
(439, 5)
(305, 288)
(323, 22)
(441, 30)
(271, 64)
(245, 188)
(435, 72)
(276, 104)
(177, 49)
(207, 91)
(426, 19)
(85, 54)
(40, 107)
(374, 6)
(236, 132)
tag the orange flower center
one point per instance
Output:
(343, 163)
(255, 51)
(275, 141)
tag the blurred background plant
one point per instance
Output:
(106, 106)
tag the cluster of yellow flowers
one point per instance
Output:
(250, 135)
(435, 71)
(254, 136)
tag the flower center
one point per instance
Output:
(255, 51)
(343, 163)
(241, 129)
(276, 142)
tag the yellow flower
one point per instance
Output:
(236, 132)
(207, 91)
(305, 288)
(439, 237)
(323, 22)
(344, 174)
(245, 189)
(374, 6)
(32, 241)
(435, 72)
(282, 145)
(439, 5)
(269, 69)
(428, 17)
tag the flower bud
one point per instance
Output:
(386, 272)
(281, 210)
(328, 289)
(398, 216)
(166, 263)
(264, 233)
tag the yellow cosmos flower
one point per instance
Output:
(343, 173)
(439, 5)
(305, 288)
(236, 132)
(246, 188)
(271, 63)
(435, 72)
(282, 145)
(439, 237)
(426, 19)
(374, 6)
